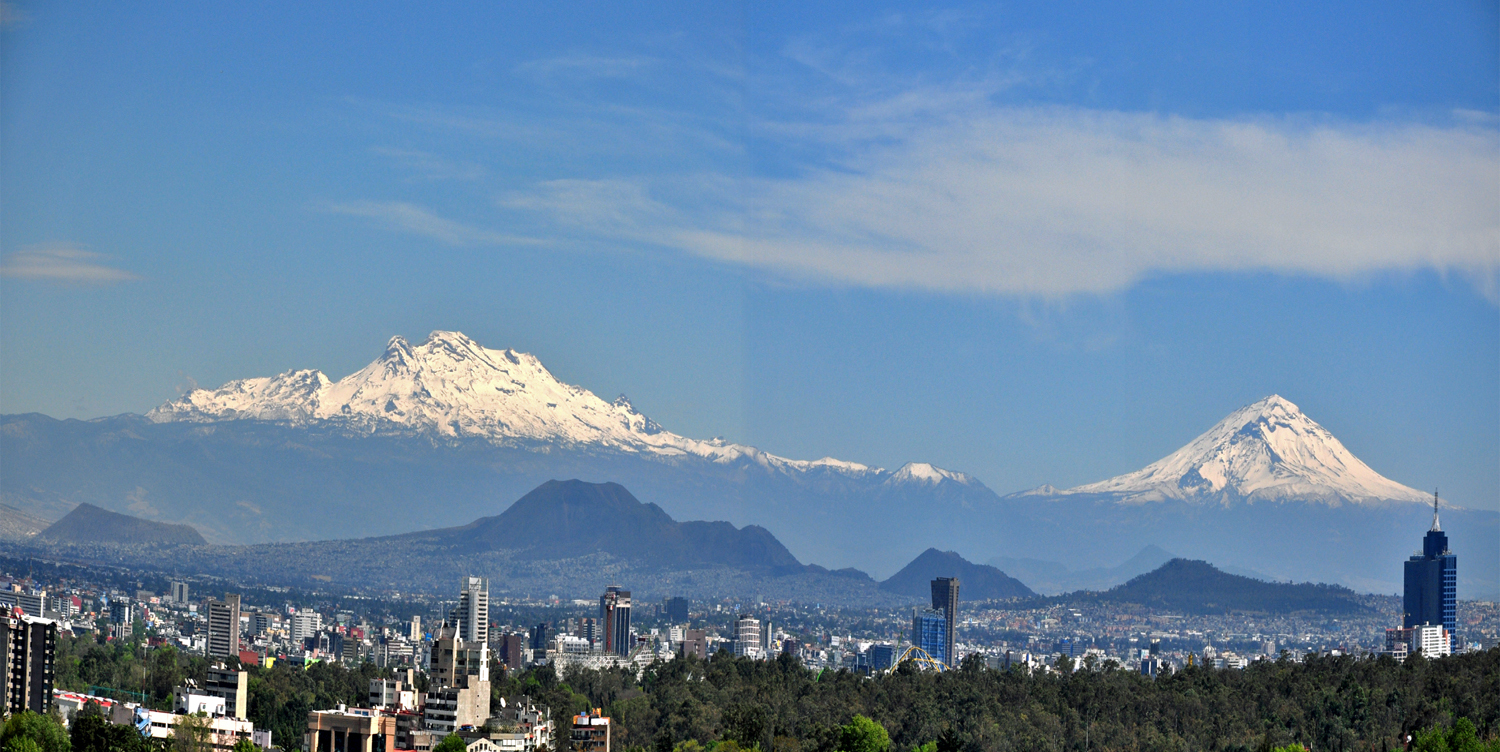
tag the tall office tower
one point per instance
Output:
(1432, 583)
(539, 636)
(929, 631)
(414, 630)
(460, 692)
(224, 626)
(179, 592)
(28, 647)
(474, 610)
(677, 610)
(945, 599)
(614, 620)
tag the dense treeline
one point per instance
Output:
(1326, 703)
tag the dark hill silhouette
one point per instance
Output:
(1197, 587)
(569, 519)
(977, 582)
(90, 524)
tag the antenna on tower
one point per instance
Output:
(1435, 525)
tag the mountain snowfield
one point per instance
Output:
(1267, 451)
(451, 386)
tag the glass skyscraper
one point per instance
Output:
(929, 631)
(1432, 583)
(945, 599)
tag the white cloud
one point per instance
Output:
(63, 263)
(949, 193)
(405, 217)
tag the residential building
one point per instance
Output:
(694, 642)
(1431, 595)
(224, 626)
(306, 624)
(747, 637)
(1431, 639)
(474, 610)
(223, 731)
(614, 620)
(349, 730)
(189, 699)
(512, 650)
(392, 694)
(590, 732)
(29, 647)
(32, 604)
(460, 691)
(232, 686)
(945, 599)
(121, 619)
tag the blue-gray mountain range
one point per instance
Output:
(429, 435)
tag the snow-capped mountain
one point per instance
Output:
(1265, 451)
(450, 386)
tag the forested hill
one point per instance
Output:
(1197, 587)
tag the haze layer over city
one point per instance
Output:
(712, 377)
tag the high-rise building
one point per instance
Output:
(1432, 583)
(929, 631)
(230, 685)
(747, 636)
(306, 624)
(414, 630)
(460, 691)
(614, 620)
(121, 619)
(945, 599)
(224, 626)
(676, 610)
(539, 636)
(179, 592)
(29, 647)
(474, 610)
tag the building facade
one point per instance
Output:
(929, 631)
(614, 620)
(945, 599)
(224, 626)
(1431, 592)
(29, 646)
(474, 609)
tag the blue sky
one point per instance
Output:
(1042, 243)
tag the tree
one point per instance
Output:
(451, 743)
(245, 745)
(863, 735)
(43, 731)
(92, 732)
(191, 734)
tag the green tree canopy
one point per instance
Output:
(41, 730)
(451, 743)
(863, 735)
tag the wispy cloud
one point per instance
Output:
(405, 217)
(429, 166)
(63, 263)
(1057, 201)
(10, 15)
(586, 66)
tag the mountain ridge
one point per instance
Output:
(977, 582)
(450, 386)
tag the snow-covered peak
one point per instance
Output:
(923, 473)
(451, 386)
(1268, 450)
